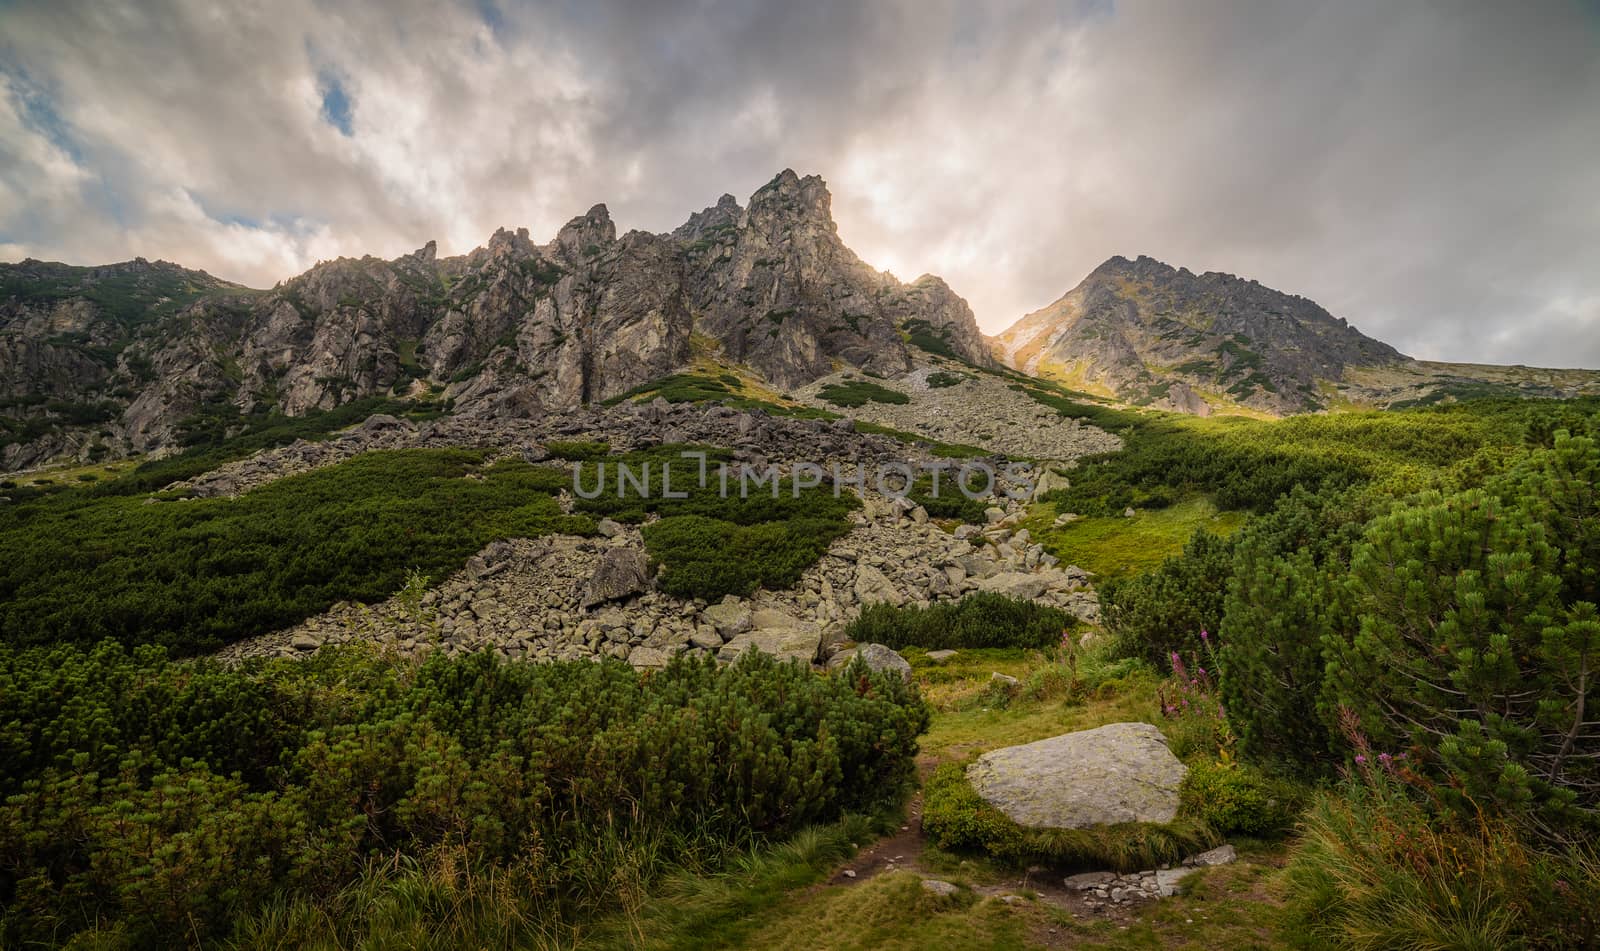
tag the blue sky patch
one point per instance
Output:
(336, 103)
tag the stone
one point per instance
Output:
(938, 887)
(940, 656)
(609, 528)
(648, 657)
(783, 643)
(1006, 679)
(1015, 584)
(877, 657)
(304, 642)
(1122, 772)
(1221, 855)
(730, 618)
(1087, 880)
(622, 572)
(872, 587)
(705, 637)
(1167, 880)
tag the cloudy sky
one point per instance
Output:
(1430, 171)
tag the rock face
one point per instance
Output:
(1122, 772)
(111, 360)
(1156, 335)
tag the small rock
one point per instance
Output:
(1221, 855)
(1167, 880)
(940, 656)
(938, 887)
(1087, 880)
(304, 642)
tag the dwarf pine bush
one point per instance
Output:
(167, 798)
(978, 620)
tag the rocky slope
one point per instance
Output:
(566, 597)
(1152, 334)
(126, 358)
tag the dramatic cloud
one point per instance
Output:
(1429, 171)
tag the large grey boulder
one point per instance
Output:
(784, 643)
(622, 572)
(1015, 584)
(1122, 772)
(877, 657)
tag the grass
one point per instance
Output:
(1116, 546)
(892, 911)
(59, 475)
(1239, 907)
(729, 910)
(972, 716)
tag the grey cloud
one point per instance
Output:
(1425, 170)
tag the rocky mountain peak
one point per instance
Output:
(592, 229)
(1151, 333)
(724, 215)
(789, 200)
(517, 244)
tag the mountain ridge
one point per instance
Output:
(1146, 333)
(509, 328)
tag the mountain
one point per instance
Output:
(125, 358)
(1151, 334)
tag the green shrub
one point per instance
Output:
(683, 388)
(978, 620)
(949, 501)
(710, 558)
(1282, 602)
(161, 798)
(1236, 799)
(860, 393)
(956, 818)
(1155, 614)
(196, 574)
(1466, 646)
(942, 379)
(578, 450)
